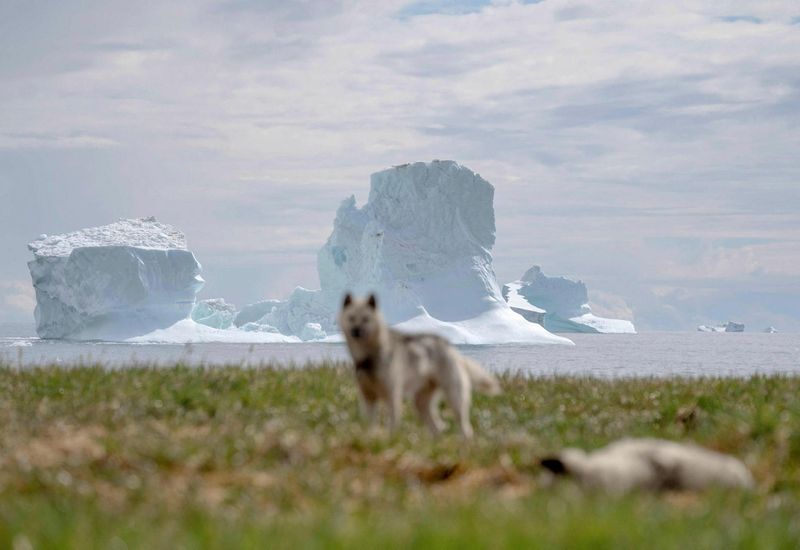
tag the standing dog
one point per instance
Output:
(391, 365)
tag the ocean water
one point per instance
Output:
(604, 355)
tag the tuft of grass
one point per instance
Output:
(274, 457)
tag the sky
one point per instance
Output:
(650, 149)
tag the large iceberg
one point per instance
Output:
(559, 304)
(423, 243)
(113, 282)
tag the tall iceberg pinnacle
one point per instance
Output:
(113, 282)
(422, 240)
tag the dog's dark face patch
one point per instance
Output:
(554, 464)
(367, 366)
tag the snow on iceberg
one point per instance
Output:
(559, 304)
(492, 326)
(422, 242)
(113, 282)
(187, 331)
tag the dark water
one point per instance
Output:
(647, 354)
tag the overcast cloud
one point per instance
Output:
(651, 149)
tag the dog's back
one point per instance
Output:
(430, 355)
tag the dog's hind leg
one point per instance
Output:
(459, 398)
(369, 410)
(433, 407)
(395, 408)
(426, 402)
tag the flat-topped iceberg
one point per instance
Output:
(113, 282)
(559, 304)
(422, 243)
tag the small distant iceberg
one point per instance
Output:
(559, 304)
(771, 330)
(730, 326)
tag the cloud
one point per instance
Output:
(745, 18)
(448, 7)
(29, 140)
(605, 304)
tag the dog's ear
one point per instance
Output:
(372, 302)
(554, 464)
(348, 299)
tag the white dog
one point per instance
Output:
(650, 464)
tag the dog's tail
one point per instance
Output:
(481, 380)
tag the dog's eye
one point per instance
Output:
(352, 318)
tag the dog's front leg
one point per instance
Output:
(395, 407)
(369, 411)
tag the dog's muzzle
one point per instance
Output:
(355, 332)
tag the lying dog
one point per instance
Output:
(391, 365)
(650, 464)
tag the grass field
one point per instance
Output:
(275, 458)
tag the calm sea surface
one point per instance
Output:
(646, 354)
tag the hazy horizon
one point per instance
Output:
(648, 150)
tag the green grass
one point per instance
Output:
(275, 458)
